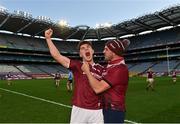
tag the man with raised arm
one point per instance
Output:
(86, 104)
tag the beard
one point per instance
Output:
(107, 58)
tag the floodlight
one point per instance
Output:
(3, 9)
(22, 14)
(107, 24)
(63, 23)
(44, 18)
(104, 25)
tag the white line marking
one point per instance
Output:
(131, 122)
(52, 102)
(33, 97)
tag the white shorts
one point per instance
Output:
(150, 80)
(81, 115)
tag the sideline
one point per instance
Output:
(37, 98)
(49, 101)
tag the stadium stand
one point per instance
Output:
(156, 39)
(141, 67)
(15, 72)
(29, 56)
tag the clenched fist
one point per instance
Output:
(85, 67)
(48, 33)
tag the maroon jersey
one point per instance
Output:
(150, 74)
(57, 76)
(116, 74)
(84, 96)
(174, 74)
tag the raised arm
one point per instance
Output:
(64, 61)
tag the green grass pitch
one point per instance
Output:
(43, 101)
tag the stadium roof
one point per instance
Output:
(18, 23)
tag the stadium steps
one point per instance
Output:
(36, 66)
(60, 69)
(64, 71)
(22, 71)
(177, 66)
(132, 66)
(10, 42)
(148, 68)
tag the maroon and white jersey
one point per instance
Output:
(84, 96)
(149, 74)
(116, 75)
(174, 74)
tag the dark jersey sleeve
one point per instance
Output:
(116, 75)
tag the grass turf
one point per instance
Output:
(161, 105)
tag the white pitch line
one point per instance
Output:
(37, 98)
(52, 102)
(132, 122)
